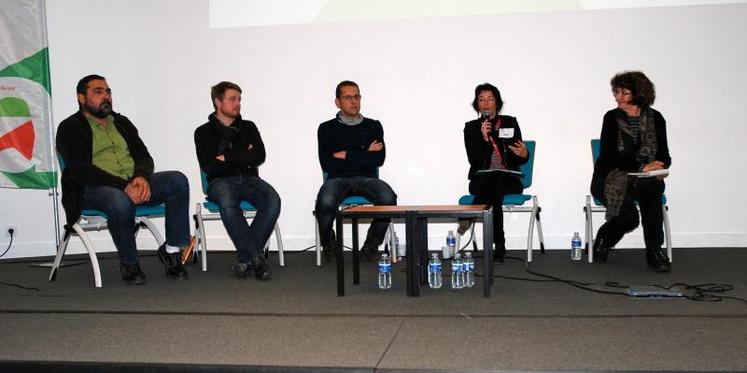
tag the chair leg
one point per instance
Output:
(91, 254)
(589, 231)
(530, 232)
(201, 237)
(60, 253)
(538, 218)
(153, 230)
(279, 239)
(316, 243)
(667, 231)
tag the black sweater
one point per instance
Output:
(479, 151)
(610, 158)
(75, 146)
(213, 139)
(334, 136)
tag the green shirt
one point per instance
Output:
(110, 151)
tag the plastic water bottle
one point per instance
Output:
(576, 252)
(469, 270)
(435, 279)
(451, 242)
(457, 275)
(385, 272)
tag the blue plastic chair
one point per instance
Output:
(597, 206)
(515, 203)
(209, 211)
(95, 220)
(352, 201)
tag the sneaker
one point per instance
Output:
(601, 251)
(658, 261)
(132, 274)
(172, 263)
(261, 268)
(241, 269)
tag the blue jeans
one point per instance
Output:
(228, 192)
(334, 191)
(168, 187)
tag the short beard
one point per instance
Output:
(102, 111)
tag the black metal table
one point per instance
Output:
(416, 249)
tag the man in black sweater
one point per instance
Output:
(229, 150)
(351, 149)
(108, 168)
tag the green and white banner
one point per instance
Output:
(26, 156)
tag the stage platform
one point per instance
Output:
(214, 322)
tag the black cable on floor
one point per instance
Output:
(9, 243)
(10, 283)
(699, 293)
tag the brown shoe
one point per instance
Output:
(189, 250)
(464, 225)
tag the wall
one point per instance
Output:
(417, 77)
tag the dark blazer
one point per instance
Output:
(479, 151)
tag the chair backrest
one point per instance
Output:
(61, 161)
(595, 144)
(204, 181)
(528, 167)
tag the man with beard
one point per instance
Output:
(108, 168)
(230, 150)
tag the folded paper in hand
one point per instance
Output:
(653, 173)
(500, 170)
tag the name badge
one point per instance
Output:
(505, 133)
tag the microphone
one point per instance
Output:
(485, 115)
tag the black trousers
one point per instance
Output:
(489, 190)
(648, 193)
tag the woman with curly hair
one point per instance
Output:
(633, 139)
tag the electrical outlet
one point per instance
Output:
(8, 228)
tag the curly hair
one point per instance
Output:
(487, 87)
(639, 85)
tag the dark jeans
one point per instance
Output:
(334, 191)
(489, 190)
(648, 193)
(168, 187)
(228, 192)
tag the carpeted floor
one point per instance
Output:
(295, 322)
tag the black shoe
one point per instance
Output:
(132, 274)
(329, 248)
(369, 252)
(261, 269)
(172, 263)
(658, 261)
(241, 270)
(600, 250)
(499, 257)
(464, 225)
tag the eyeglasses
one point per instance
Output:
(486, 99)
(351, 98)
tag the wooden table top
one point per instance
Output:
(422, 208)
